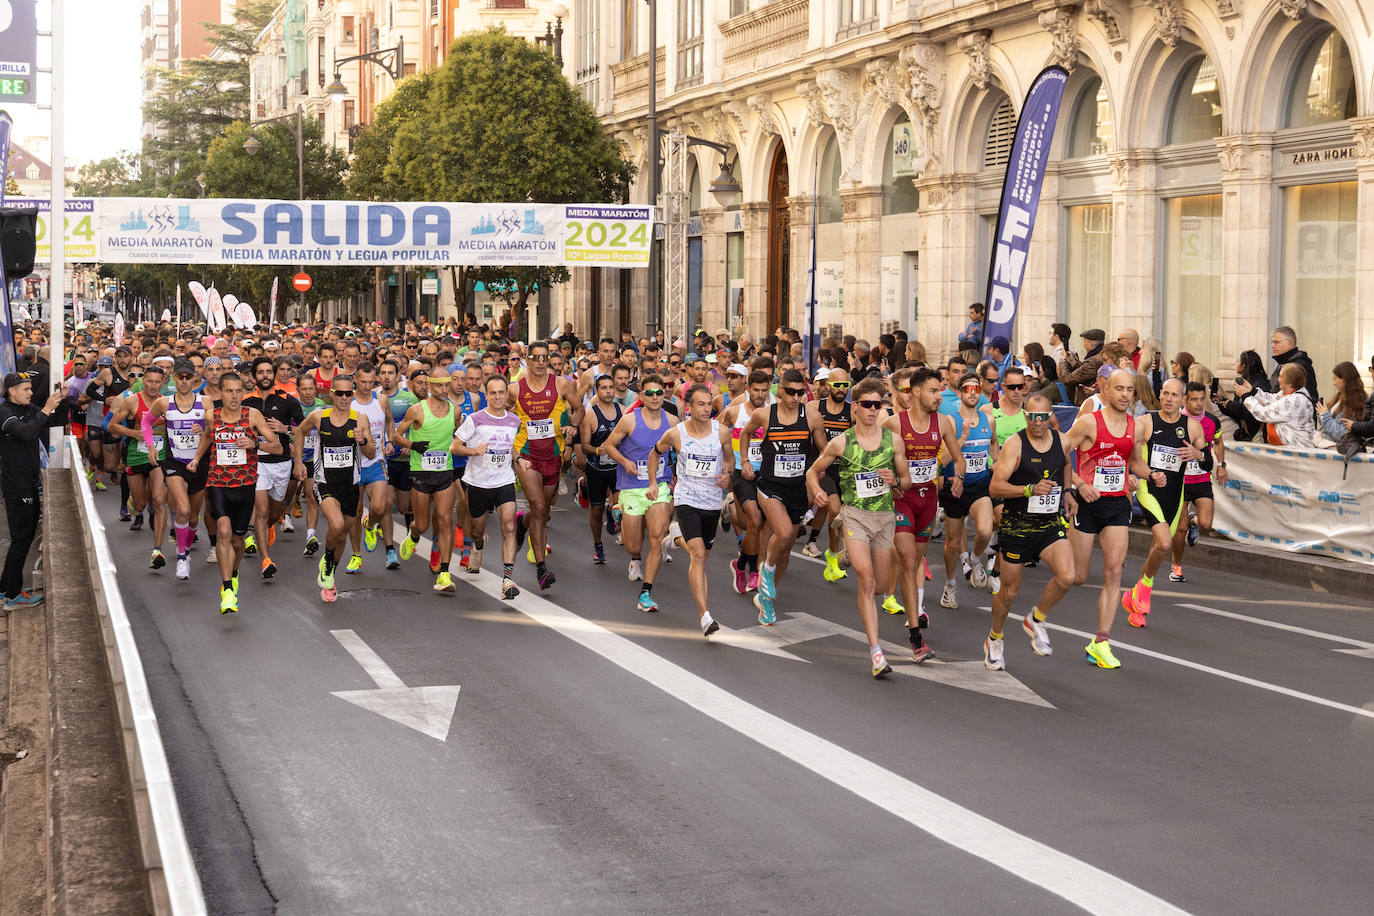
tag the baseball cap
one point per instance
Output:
(105, 361)
(1000, 343)
(183, 366)
(122, 350)
(822, 374)
(1105, 370)
(737, 369)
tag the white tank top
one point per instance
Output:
(376, 421)
(183, 428)
(699, 463)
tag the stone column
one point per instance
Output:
(713, 283)
(1364, 214)
(1247, 255)
(799, 208)
(755, 269)
(1135, 249)
(1038, 306)
(948, 278)
(863, 260)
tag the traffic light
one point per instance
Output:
(18, 229)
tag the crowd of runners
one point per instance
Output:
(457, 434)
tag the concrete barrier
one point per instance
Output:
(172, 877)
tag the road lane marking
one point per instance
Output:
(1359, 645)
(428, 710)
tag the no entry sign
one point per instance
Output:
(301, 281)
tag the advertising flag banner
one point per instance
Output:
(9, 356)
(1030, 153)
(272, 306)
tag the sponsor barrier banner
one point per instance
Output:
(340, 233)
(1303, 500)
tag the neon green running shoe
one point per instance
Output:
(832, 571)
(250, 544)
(228, 601)
(443, 582)
(325, 580)
(355, 565)
(370, 537)
(408, 547)
(235, 580)
(892, 605)
(1100, 654)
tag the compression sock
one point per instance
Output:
(509, 569)
(184, 534)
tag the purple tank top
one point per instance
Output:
(636, 447)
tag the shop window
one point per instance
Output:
(1088, 293)
(899, 190)
(829, 208)
(1320, 234)
(1196, 110)
(1091, 133)
(1324, 84)
(1192, 281)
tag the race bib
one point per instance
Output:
(230, 455)
(338, 456)
(312, 442)
(157, 444)
(922, 470)
(1044, 504)
(642, 469)
(756, 453)
(435, 460)
(976, 464)
(789, 465)
(539, 429)
(185, 442)
(497, 457)
(698, 466)
(1193, 469)
(1164, 458)
(868, 484)
(1110, 481)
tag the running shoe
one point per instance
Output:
(994, 584)
(968, 570)
(250, 544)
(1137, 606)
(210, 556)
(832, 571)
(1192, 534)
(767, 585)
(269, 569)
(393, 560)
(287, 524)
(753, 580)
(667, 542)
(811, 549)
(443, 582)
(922, 620)
(228, 601)
(740, 577)
(1039, 634)
(613, 521)
(463, 556)
(978, 577)
(433, 561)
(1176, 573)
(408, 547)
(235, 581)
(296, 511)
(520, 532)
(765, 605)
(329, 595)
(708, 624)
(646, 603)
(892, 605)
(312, 545)
(546, 579)
(272, 536)
(99, 485)
(355, 565)
(508, 589)
(158, 559)
(22, 600)
(925, 566)
(582, 499)
(183, 568)
(124, 515)
(598, 555)
(992, 655)
(325, 579)
(1100, 654)
(138, 523)
(475, 561)
(635, 571)
(949, 597)
(370, 533)
(920, 649)
(880, 665)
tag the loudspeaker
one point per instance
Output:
(18, 228)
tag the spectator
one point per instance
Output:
(1283, 346)
(1179, 366)
(915, 352)
(1145, 400)
(1250, 368)
(1347, 401)
(1050, 386)
(1363, 427)
(972, 336)
(1288, 417)
(1130, 339)
(23, 426)
(1060, 337)
(999, 352)
(1152, 362)
(1031, 354)
(1082, 380)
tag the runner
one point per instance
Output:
(143, 460)
(871, 463)
(1197, 483)
(1171, 441)
(781, 481)
(487, 440)
(705, 465)
(275, 487)
(599, 481)
(638, 431)
(736, 380)
(923, 430)
(974, 431)
(542, 403)
(1032, 476)
(1008, 418)
(372, 471)
(233, 437)
(1108, 443)
(306, 394)
(342, 436)
(748, 516)
(431, 426)
(328, 355)
(183, 418)
(831, 420)
(399, 400)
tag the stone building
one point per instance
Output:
(1212, 171)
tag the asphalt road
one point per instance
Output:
(599, 760)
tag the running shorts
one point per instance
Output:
(698, 523)
(745, 490)
(916, 514)
(1105, 512)
(600, 483)
(195, 481)
(1162, 506)
(548, 469)
(142, 470)
(431, 481)
(347, 496)
(829, 485)
(1192, 492)
(1025, 545)
(959, 506)
(482, 500)
(876, 528)
(273, 477)
(637, 502)
(369, 474)
(234, 503)
(792, 495)
(398, 475)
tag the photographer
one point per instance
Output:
(22, 429)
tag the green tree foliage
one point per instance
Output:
(118, 176)
(497, 122)
(372, 151)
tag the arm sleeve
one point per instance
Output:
(146, 426)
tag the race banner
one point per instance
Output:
(1030, 153)
(340, 233)
(78, 228)
(1301, 500)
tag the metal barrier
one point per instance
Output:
(173, 881)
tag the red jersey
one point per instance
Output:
(922, 449)
(1105, 464)
(231, 465)
(543, 414)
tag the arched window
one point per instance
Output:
(1091, 133)
(694, 192)
(1323, 85)
(1196, 111)
(899, 191)
(1001, 133)
(829, 209)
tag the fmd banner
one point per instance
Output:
(1030, 152)
(339, 233)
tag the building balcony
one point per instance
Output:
(631, 79)
(765, 36)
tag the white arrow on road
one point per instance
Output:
(428, 710)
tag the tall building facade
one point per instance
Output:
(154, 51)
(1212, 170)
(173, 30)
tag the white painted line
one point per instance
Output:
(1286, 627)
(372, 663)
(428, 710)
(1058, 873)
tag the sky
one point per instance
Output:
(102, 89)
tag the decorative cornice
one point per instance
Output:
(1233, 156)
(975, 45)
(1059, 23)
(1228, 9)
(1364, 138)
(811, 94)
(762, 105)
(840, 100)
(1293, 9)
(1169, 20)
(1102, 11)
(736, 114)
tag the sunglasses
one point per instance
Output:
(971, 386)
(870, 405)
(1020, 387)
(839, 386)
(341, 393)
(135, 375)
(652, 392)
(991, 381)
(674, 363)
(538, 359)
(1042, 416)
(795, 392)
(904, 389)
(185, 375)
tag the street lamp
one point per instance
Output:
(553, 34)
(724, 188)
(392, 60)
